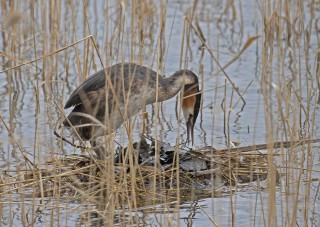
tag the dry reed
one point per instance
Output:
(48, 47)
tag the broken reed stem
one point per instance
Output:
(46, 55)
(214, 58)
(24, 155)
(281, 144)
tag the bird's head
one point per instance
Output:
(191, 105)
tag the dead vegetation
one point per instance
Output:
(48, 47)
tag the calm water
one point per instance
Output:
(226, 36)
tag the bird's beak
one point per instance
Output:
(190, 131)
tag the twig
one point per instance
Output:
(45, 55)
(18, 145)
(68, 141)
(217, 62)
(284, 144)
(210, 218)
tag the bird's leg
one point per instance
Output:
(98, 149)
(145, 120)
(102, 146)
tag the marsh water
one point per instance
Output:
(27, 98)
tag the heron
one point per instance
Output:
(100, 108)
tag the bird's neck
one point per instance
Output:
(170, 86)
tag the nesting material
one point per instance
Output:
(143, 171)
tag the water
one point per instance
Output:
(226, 31)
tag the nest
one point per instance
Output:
(146, 173)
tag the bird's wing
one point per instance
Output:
(92, 83)
(134, 77)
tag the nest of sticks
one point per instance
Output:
(145, 172)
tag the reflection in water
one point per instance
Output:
(152, 214)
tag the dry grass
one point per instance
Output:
(49, 47)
